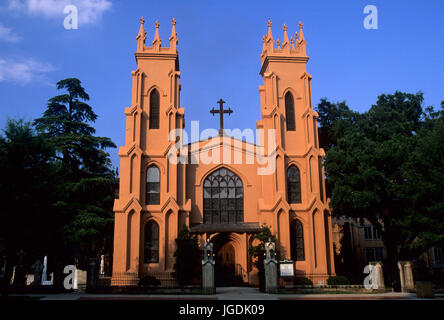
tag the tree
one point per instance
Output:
(88, 183)
(258, 252)
(26, 190)
(187, 257)
(425, 184)
(334, 119)
(366, 168)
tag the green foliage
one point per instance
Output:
(302, 281)
(385, 165)
(26, 186)
(258, 251)
(424, 172)
(334, 119)
(187, 257)
(337, 281)
(57, 186)
(87, 182)
(148, 281)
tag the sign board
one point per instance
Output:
(286, 268)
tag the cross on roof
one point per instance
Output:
(221, 112)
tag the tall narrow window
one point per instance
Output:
(289, 112)
(315, 132)
(297, 241)
(294, 185)
(321, 179)
(327, 240)
(313, 217)
(154, 109)
(153, 185)
(151, 247)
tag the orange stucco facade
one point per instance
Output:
(262, 198)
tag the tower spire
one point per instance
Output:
(270, 34)
(301, 33)
(286, 42)
(173, 37)
(285, 36)
(157, 41)
(301, 42)
(141, 37)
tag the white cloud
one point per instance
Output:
(23, 71)
(6, 34)
(90, 11)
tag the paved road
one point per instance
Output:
(234, 293)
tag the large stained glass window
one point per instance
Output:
(223, 198)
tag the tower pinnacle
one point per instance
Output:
(173, 37)
(270, 35)
(157, 41)
(141, 37)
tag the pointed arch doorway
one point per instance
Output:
(226, 262)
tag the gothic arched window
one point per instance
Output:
(294, 185)
(289, 112)
(297, 241)
(154, 109)
(153, 185)
(223, 197)
(151, 245)
(321, 179)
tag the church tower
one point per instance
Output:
(150, 192)
(298, 202)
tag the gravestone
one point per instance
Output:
(208, 284)
(270, 265)
(45, 281)
(37, 267)
(19, 271)
(406, 276)
(3, 271)
(102, 264)
(79, 279)
(92, 275)
(377, 275)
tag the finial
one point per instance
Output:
(301, 41)
(270, 35)
(296, 36)
(278, 42)
(157, 42)
(141, 37)
(173, 37)
(301, 33)
(286, 42)
(292, 43)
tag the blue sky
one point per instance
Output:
(219, 47)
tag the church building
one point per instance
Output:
(224, 188)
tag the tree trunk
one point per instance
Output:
(391, 260)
